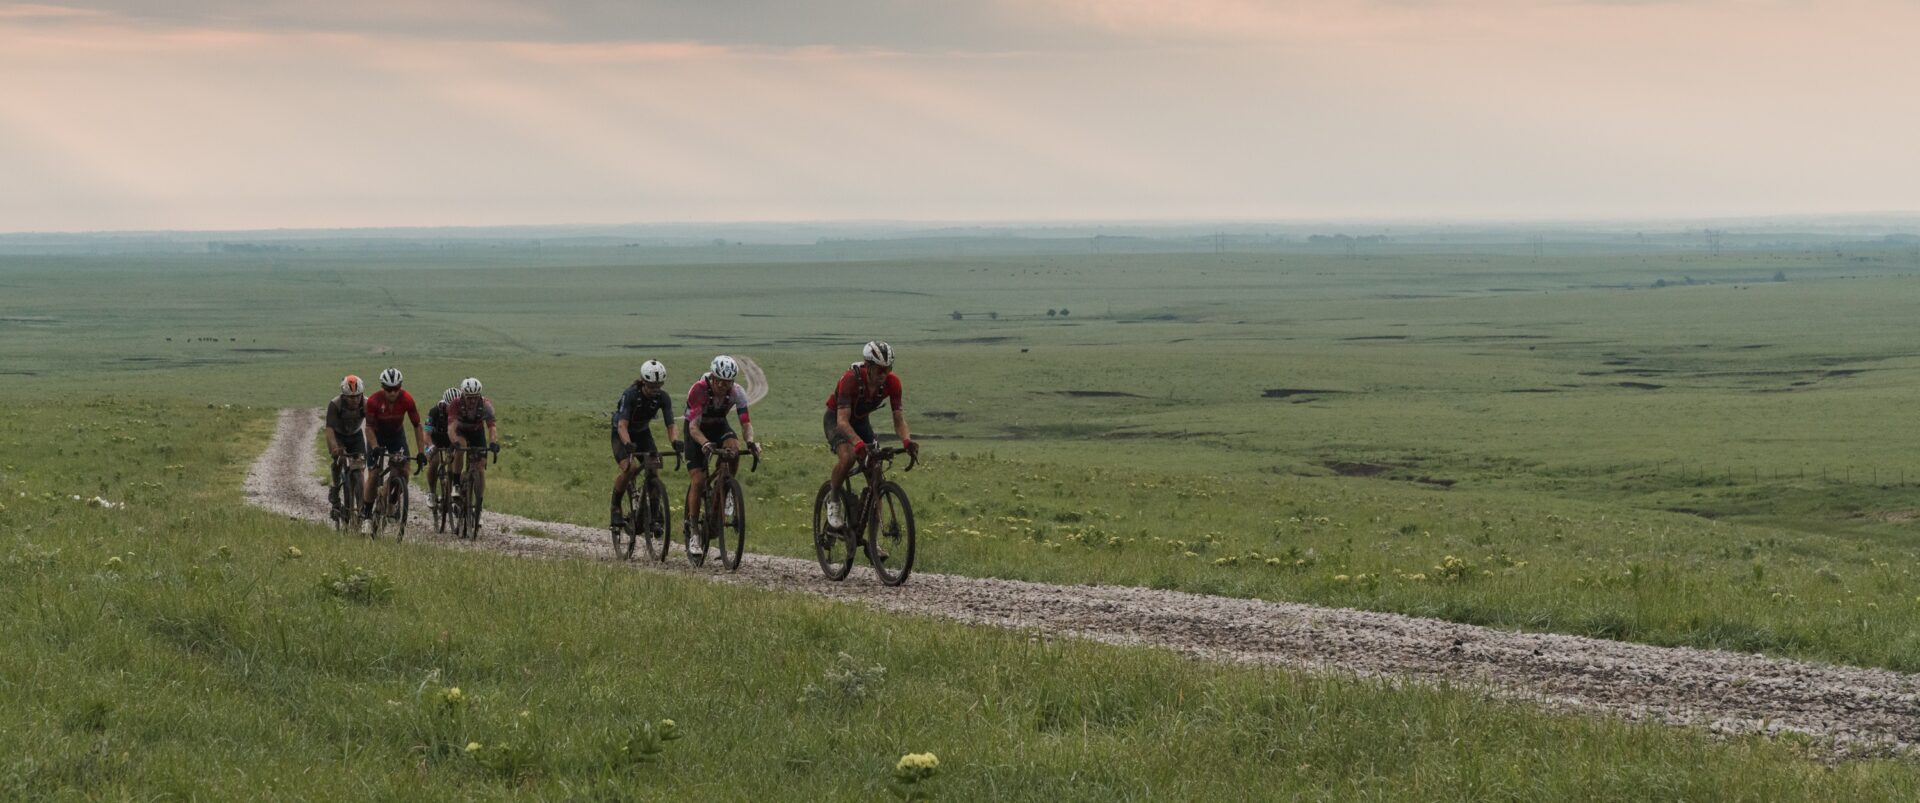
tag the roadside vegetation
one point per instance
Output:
(167, 639)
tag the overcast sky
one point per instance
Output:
(227, 114)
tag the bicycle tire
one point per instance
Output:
(379, 518)
(406, 501)
(835, 550)
(473, 517)
(891, 526)
(736, 525)
(626, 534)
(340, 502)
(658, 514)
(441, 485)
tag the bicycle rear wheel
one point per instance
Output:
(833, 545)
(656, 517)
(891, 530)
(630, 525)
(733, 525)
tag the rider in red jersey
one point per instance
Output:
(862, 389)
(388, 411)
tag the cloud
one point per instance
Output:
(1215, 108)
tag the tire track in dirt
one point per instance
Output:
(1849, 711)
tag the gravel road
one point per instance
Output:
(1849, 711)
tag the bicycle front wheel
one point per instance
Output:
(623, 535)
(656, 515)
(349, 502)
(890, 535)
(457, 516)
(382, 507)
(400, 524)
(442, 486)
(733, 525)
(834, 546)
(473, 517)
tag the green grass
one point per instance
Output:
(1759, 500)
(176, 647)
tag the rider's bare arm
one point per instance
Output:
(900, 426)
(624, 437)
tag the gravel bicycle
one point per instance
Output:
(390, 500)
(464, 508)
(647, 513)
(441, 490)
(877, 517)
(721, 494)
(349, 470)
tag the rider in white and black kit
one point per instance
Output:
(633, 427)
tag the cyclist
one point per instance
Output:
(387, 414)
(437, 440)
(633, 421)
(706, 421)
(346, 414)
(471, 420)
(861, 390)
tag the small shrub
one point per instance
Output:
(847, 681)
(357, 584)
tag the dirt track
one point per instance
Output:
(1851, 711)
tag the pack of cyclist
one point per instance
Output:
(356, 420)
(464, 418)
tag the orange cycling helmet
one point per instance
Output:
(352, 386)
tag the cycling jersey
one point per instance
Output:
(861, 396)
(437, 425)
(638, 406)
(389, 414)
(345, 422)
(471, 414)
(711, 408)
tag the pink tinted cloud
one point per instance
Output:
(1548, 109)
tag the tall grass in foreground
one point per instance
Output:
(185, 645)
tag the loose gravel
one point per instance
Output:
(1847, 711)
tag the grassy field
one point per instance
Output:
(178, 643)
(1446, 432)
(1715, 462)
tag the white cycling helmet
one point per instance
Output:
(450, 395)
(352, 386)
(390, 378)
(878, 353)
(724, 368)
(653, 372)
(470, 387)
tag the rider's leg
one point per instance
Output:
(696, 479)
(374, 469)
